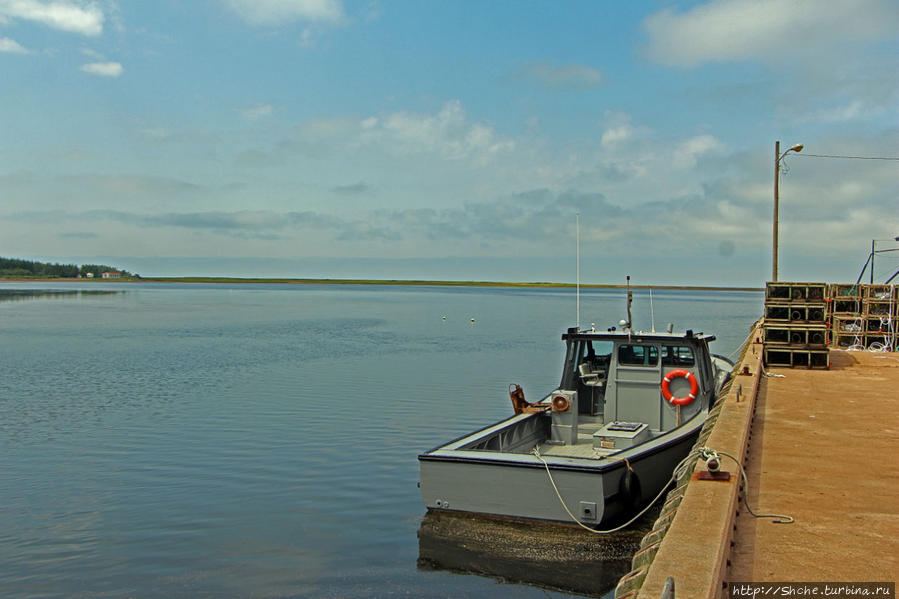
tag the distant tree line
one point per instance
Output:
(13, 267)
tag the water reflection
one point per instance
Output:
(548, 555)
(18, 295)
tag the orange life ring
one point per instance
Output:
(561, 403)
(666, 387)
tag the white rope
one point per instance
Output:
(742, 345)
(679, 471)
(857, 342)
(707, 454)
(771, 375)
(581, 524)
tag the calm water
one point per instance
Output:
(261, 441)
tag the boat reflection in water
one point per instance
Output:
(549, 555)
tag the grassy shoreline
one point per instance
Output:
(394, 282)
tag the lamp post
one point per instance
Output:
(777, 158)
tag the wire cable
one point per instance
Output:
(707, 454)
(805, 155)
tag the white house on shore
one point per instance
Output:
(111, 274)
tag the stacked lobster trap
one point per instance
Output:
(863, 317)
(803, 320)
(795, 326)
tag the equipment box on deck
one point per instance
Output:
(620, 435)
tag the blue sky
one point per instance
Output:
(450, 140)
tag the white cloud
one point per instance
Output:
(257, 112)
(854, 110)
(618, 128)
(91, 53)
(12, 46)
(307, 38)
(278, 12)
(85, 18)
(613, 135)
(687, 153)
(448, 133)
(156, 134)
(765, 30)
(103, 69)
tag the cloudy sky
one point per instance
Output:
(450, 140)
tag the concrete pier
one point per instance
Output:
(817, 445)
(824, 450)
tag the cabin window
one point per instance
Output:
(585, 356)
(638, 355)
(594, 356)
(598, 352)
(677, 355)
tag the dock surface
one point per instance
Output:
(819, 446)
(824, 451)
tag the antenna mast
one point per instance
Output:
(630, 298)
(577, 237)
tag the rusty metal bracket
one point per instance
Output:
(721, 475)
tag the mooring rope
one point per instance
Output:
(742, 346)
(679, 471)
(708, 454)
(574, 518)
(771, 375)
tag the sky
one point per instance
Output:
(451, 140)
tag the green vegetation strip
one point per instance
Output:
(36, 271)
(409, 282)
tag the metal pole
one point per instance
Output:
(872, 261)
(776, 206)
(668, 589)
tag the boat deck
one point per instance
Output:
(584, 447)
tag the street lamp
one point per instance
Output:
(777, 158)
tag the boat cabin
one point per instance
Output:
(618, 376)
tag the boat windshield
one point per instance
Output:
(586, 357)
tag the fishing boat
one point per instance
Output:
(598, 448)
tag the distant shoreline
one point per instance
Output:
(394, 282)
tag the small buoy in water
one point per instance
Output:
(444, 318)
(472, 321)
